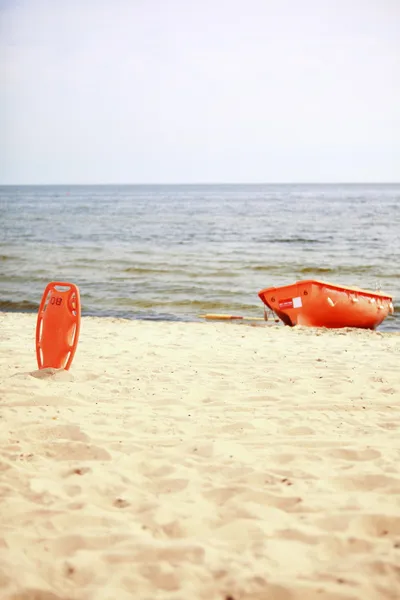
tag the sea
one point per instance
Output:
(174, 252)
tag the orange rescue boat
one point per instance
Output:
(316, 303)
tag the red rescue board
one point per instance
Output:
(58, 325)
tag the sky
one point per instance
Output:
(206, 91)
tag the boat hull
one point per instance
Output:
(316, 303)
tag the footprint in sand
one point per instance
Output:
(377, 525)
(298, 536)
(163, 576)
(57, 432)
(389, 425)
(334, 523)
(176, 551)
(370, 482)
(300, 431)
(59, 450)
(385, 568)
(349, 454)
(284, 459)
(32, 594)
(77, 471)
(51, 373)
(169, 486)
(242, 495)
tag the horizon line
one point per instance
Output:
(199, 183)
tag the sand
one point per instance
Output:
(200, 461)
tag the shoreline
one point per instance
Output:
(384, 327)
(191, 459)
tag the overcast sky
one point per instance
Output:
(174, 91)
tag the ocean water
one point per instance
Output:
(176, 251)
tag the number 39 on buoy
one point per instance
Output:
(58, 325)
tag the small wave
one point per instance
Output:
(149, 270)
(293, 240)
(18, 306)
(223, 274)
(4, 257)
(268, 268)
(171, 272)
(317, 270)
(343, 270)
(159, 305)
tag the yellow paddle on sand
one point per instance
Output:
(231, 317)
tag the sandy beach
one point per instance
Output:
(206, 461)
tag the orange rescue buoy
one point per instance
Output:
(58, 325)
